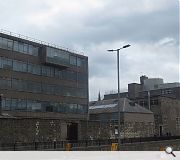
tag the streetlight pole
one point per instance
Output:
(119, 121)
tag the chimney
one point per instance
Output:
(142, 78)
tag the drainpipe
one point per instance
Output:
(149, 101)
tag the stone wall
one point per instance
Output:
(167, 115)
(36, 129)
(109, 130)
(29, 130)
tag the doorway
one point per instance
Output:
(72, 131)
(160, 130)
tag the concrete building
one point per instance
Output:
(136, 121)
(155, 86)
(39, 80)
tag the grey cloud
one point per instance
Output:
(146, 24)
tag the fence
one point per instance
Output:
(39, 41)
(99, 144)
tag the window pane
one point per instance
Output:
(79, 63)
(25, 48)
(10, 44)
(7, 105)
(4, 43)
(16, 47)
(21, 48)
(73, 60)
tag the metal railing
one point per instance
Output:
(39, 41)
(78, 145)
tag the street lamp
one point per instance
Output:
(117, 50)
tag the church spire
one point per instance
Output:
(99, 96)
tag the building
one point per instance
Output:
(166, 112)
(135, 120)
(155, 87)
(163, 99)
(41, 81)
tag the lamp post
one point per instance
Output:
(117, 50)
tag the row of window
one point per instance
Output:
(58, 56)
(42, 106)
(35, 87)
(167, 91)
(145, 102)
(104, 116)
(18, 46)
(41, 70)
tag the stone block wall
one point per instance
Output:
(34, 129)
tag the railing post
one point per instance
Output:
(54, 145)
(35, 145)
(14, 147)
(86, 143)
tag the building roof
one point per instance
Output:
(111, 105)
(5, 115)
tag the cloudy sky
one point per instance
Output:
(93, 26)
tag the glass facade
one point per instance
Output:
(41, 87)
(57, 56)
(73, 82)
(105, 116)
(42, 106)
(18, 46)
(20, 66)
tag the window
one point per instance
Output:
(4, 43)
(16, 47)
(29, 105)
(19, 66)
(36, 106)
(5, 83)
(7, 104)
(57, 73)
(9, 44)
(47, 71)
(73, 60)
(21, 105)
(79, 62)
(6, 63)
(33, 50)
(14, 103)
(25, 48)
(21, 47)
(34, 69)
(57, 56)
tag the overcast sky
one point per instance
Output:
(93, 26)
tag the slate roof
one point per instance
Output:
(111, 105)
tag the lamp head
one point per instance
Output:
(110, 50)
(126, 46)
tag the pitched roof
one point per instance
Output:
(111, 105)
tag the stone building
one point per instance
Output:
(166, 114)
(135, 120)
(163, 99)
